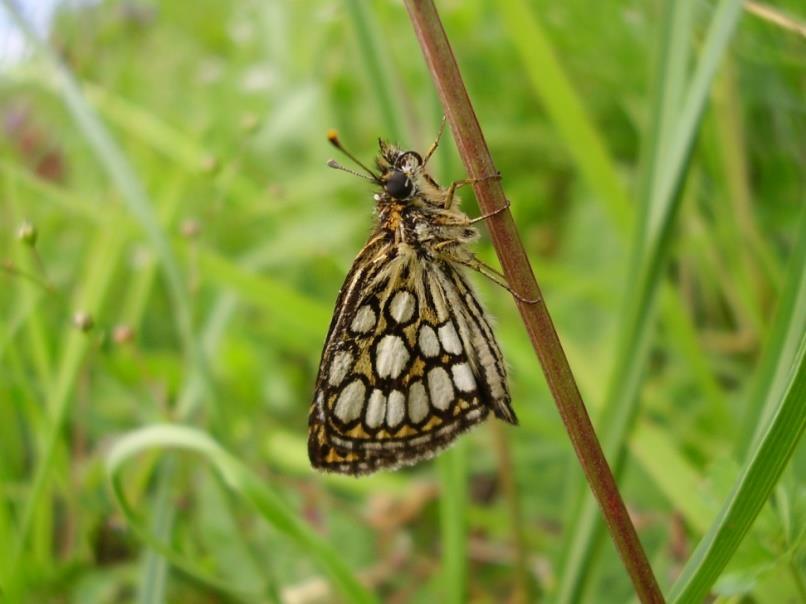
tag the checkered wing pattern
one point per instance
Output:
(410, 363)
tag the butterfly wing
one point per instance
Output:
(410, 363)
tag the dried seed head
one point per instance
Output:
(122, 334)
(83, 321)
(190, 228)
(210, 164)
(27, 233)
(249, 123)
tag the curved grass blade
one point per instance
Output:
(245, 485)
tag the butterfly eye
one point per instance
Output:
(398, 185)
(409, 160)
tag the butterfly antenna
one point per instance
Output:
(333, 137)
(332, 163)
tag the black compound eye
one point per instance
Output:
(398, 185)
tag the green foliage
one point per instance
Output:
(172, 164)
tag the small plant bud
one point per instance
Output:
(83, 321)
(210, 164)
(27, 233)
(122, 334)
(190, 228)
(249, 123)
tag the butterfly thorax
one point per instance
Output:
(414, 210)
(422, 225)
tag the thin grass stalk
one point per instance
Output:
(478, 162)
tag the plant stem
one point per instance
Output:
(478, 162)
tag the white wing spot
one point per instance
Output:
(364, 319)
(376, 409)
(450, 339)
(395, 408)
(472, 414)
(429, 345)
(418, 402)
(463, 377)
(440, 387)
(401, 307)
(350, 402)
(339, 367)
(391, 356)
(320, 404)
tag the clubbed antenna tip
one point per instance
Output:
(333, 137)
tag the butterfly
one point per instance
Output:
(410, 361)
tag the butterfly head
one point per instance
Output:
(399, 171)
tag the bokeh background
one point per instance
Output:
(173, 242)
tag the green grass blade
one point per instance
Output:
(114, 162)
(372, 54)
(304, 319)
(154, 573)
(622, 396)
(136, 121)
(753, 488)
(668, 90)
(246, 486)
(453, 503)
(650, 252)
(98, 272)
(669, 180)
(779, 349)
(567, 112)
(673, 475)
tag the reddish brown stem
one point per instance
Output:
(490, 194)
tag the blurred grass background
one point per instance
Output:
(174, 171)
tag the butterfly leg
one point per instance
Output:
(435, 144)
(457, 184)
(496, 277)
(470, 261)
(454, 221)
(491, 214)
